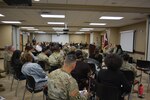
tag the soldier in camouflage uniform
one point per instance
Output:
(55, 59)
(7, 58)
(44, 58)
(61, 85)
(126, 66)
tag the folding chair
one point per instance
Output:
(104, 92)
(18, 78)
(30, 86)
(130, 77)
(142, 65)
(148, 72)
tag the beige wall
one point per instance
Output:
(87, 38)
(139, 39)
(97, 38)
(114, 36)
(6, 35)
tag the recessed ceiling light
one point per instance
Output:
(27, 27)
(1, 15)
(57, 23)
(97, 24)
(52, 16)
(40, 32)
(58, 28)
(36, 0)
(79, 32)
(86, 29)
(34, 29)
(11, 22)
(111, 17)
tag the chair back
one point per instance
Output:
(129, 75)
(105, 92)
(30, 83)
(143, 64)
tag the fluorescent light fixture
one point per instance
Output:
(57, 23)
(79, 32)
(58, 28)
(1, 15)
(34, 29)
(36, 0)
(111, 17)
(86, 29)
(27, 27)
(40, 32)
(11, 22)
(52, 16)
(97, 24)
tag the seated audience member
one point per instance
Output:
(84, 54)
(118, 50)
(81, 71)
(16, 63)
(28, 49)
(7, 58)
(43, 57)
(55, 59)
(113, 76)
(97, 56)
(34, 70)
(127, 66)
(64, 51)
(72, 49)
(61, 85)
(38, 47)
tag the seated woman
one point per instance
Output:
(16, 64)
(126, 66)
(113, 76)
(34, 70)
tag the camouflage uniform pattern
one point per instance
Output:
(7, 60)
(55, 59)
(42, 57)
(62, 86)
(127, 66)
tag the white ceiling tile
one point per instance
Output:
(81, 2)
(78, 19)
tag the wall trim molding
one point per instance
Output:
(139, 52)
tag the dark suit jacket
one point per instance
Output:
(80, 73)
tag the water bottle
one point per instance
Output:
(141, 90)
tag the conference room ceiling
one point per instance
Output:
(78, 13)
